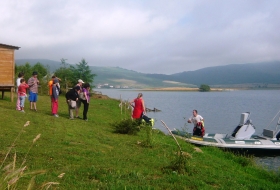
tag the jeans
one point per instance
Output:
(22, 100)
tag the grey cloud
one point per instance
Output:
(145, 36)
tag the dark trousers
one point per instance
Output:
(146, 118)
(278, 136)
(86, 105)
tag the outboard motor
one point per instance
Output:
(245, 129)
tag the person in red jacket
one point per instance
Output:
(139, 107)
(22, 93)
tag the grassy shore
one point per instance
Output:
(89, 155)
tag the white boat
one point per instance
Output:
(242, 138)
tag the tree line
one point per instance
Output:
(69, 74)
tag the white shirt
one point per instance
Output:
(18, 83)
(196, 119)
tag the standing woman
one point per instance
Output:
(20, 76)
(85, 100)
(54, 96)
(139, 107)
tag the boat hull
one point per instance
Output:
(254, 145)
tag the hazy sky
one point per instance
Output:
(148, 36)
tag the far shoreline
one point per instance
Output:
(179, 89)
(189, 89)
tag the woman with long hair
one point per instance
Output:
(85, 100)
(139, 107)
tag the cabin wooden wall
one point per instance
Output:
(7, 67)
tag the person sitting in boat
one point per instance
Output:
(198, 123)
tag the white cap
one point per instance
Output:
(80, 80)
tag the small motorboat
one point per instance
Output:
(242, 138)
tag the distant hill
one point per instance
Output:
(124, 77)
(52, 65)
(115, 76)
(250, 73)
(235, 74)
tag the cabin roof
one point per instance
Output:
(9, 46)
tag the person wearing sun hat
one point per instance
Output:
(79, 102)
(33, 83)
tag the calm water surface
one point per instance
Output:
(220, 110)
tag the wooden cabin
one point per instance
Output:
(7, 69)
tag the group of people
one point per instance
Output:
(74, 97)
(139, 112)
(22, 86)
(81, 94)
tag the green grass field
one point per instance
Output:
(92, 156)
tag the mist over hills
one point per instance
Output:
(235, 74)
(249, 73)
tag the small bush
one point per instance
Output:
(178, 165)
(149, 142)
(127, 126)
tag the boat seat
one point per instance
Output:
(220, 136)
(269, 133)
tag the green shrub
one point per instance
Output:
(179, 164)
(127, 126)
(204, 88)
(149, 142)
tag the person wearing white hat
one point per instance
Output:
(78, 104)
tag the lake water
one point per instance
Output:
(220, 110)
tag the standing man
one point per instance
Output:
(198, 123)
(33, 83)
(79, 102)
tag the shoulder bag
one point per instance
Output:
(82, 96)
(72, 104)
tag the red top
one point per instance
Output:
(22, 89)
(138, 108)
